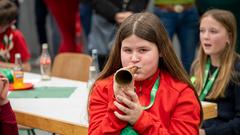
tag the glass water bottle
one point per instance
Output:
(45, 63)
(94, 68)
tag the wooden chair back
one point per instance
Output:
(74, 66)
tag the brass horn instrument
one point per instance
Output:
(124, 77)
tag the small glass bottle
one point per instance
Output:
(18, 73)
(45, 63)
(94, 68)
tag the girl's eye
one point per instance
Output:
(201, 30)
(213, 31)
(127, 50)
(143, 50)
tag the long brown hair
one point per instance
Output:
(227, 59)
(148, 27)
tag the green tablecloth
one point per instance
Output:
(43, 92)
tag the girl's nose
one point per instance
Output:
(135, 57)
(205, 35)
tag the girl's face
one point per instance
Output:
(141, 53)
(213, 36)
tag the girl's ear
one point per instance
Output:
(229, 38)
(228, 42)
(160, 55)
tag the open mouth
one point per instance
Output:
(207, 45)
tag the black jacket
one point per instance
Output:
(228, 120)
(109, 8)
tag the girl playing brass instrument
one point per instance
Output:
(161, 100)
(124, 76)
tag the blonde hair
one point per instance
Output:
(227, 59)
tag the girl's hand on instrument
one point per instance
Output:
(130, 107)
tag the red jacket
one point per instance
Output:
(65, 12)
(176, 109)
(8, 124)
(7, 51)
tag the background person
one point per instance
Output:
(12, 40)
(230, 5)
(217, 71)
(180, 17)
(8, 124)
(66, 15)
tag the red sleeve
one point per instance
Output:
(102, 118)
(19, 46)
(185, 118)
(8, 124)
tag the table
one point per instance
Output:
(67, 116)
(209, 110)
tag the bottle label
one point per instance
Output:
(45, 67)
(45, 60)
(18, 74)
(18, 79)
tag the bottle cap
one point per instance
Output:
(94, 51)
(44, 45)
(17, 55)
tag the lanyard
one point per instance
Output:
(208, 84)
(128, 130)
(153, 94)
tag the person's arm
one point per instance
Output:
(134, 6)
(8, 124)
(138, 5)
(185, 118)
(111, 12)
(106, 9)
(101, 116)
(20, 46)
(26, 66)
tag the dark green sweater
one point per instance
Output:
(232, 5)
